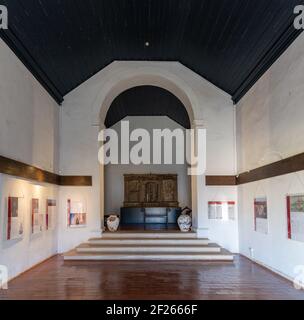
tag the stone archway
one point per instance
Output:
(124, 78)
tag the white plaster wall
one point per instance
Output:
(29, 132)
(29, 117)
(69, 238)
(224, 232)
(269, 117)
(114, 179)
(89, 103)
(78, 155)
(20, 255)
(85, 107)
(269, 128)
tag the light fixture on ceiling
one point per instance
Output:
(147, 43)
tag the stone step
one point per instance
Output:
(155, 248)
(141, 241)
(149, 234)
(76, 256)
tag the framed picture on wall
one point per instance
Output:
(37, 217)
(231, 210)
(77, 216)
(295, 217)
(50, 217)
(215, 210)
(260, 215)
(15, 219)
(221, 210)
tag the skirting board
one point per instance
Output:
(275, 271)
(32, 267)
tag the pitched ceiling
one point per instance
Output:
(231, 43)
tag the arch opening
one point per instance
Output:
(147, 101)
(120, 83)
(153, 77)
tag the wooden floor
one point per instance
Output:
(56, 279)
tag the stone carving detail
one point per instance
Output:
(150, 190)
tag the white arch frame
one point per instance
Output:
(123, 78)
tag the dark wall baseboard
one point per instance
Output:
(285, 166)
(85, 181)
(220, 180)
(279, 168)
(275, 169)
(23, 170)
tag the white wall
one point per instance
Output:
(114, 174)
(69, 238)
(269, 128)
(87, 104)
(29, 123)
(224, 232)
(20, 255)
(29, 118)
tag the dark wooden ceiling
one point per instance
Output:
(231, 43)
(147, 100)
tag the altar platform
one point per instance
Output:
(149, 245)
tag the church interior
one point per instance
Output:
(151, 150)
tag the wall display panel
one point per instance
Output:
(231, 210)
(37, 217)
(295, 217)
(215, 210)
(221, 210)
(15, 219)
(260, 215)
(50, 217)
(76, 214)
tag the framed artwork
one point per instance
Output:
(295, 217)
(221, 210)
(231, 210)
(77, 216)
(37, 217)
(215, 211)
(260, 215)
(50, 216)
(15, 222)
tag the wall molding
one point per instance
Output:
(22, 170)
(221, 180)
(285, 166)
(278, 168)
(85, 181)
